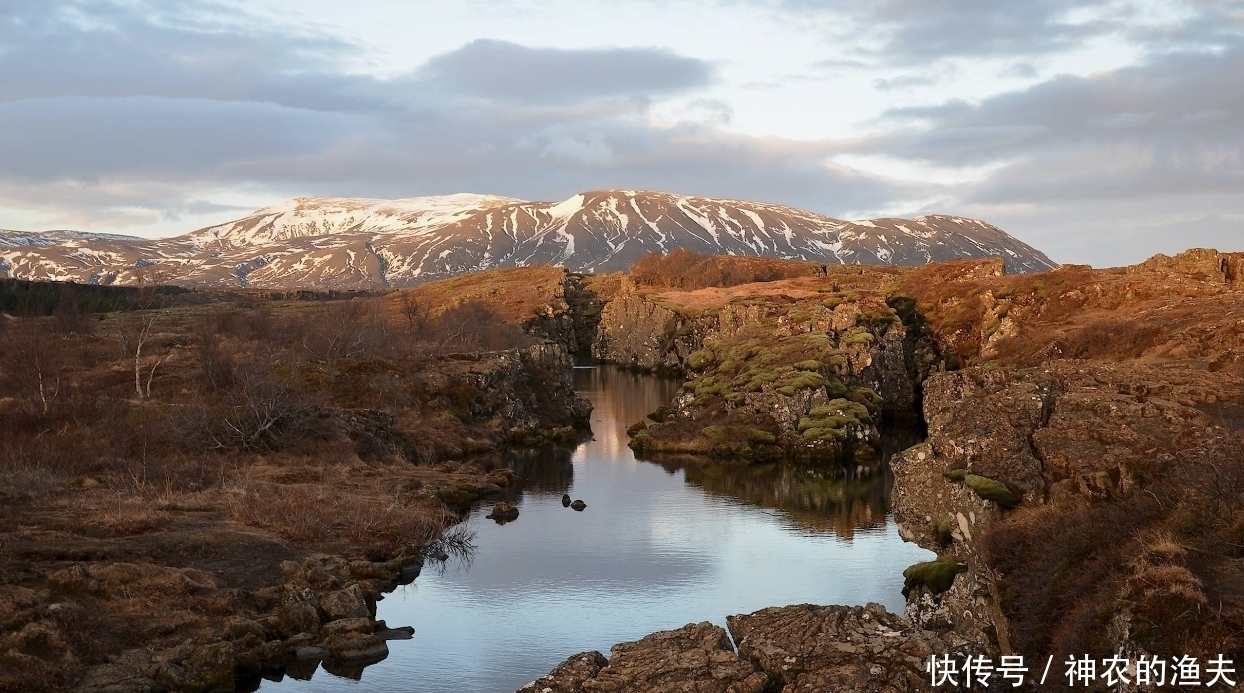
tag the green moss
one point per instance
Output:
(802, 380)
(935, 576)
(865, 396)
(832, 303)
(714, 433)
(662, 413)
(762, 437)
(699, 360)
(825, 434)
(835, 389)
(944, 529)
(991, 490)
(955, 474)
(636, 428)
(787, 390)
(810, 365)
(859, 338)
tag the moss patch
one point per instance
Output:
(991, 490)
(935, 576)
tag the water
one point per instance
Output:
(659, 546)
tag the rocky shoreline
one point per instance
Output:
(1079, 482)
(1095, 472)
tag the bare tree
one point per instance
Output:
(413, 311)
(338, 331)
(34, 365)
(262, 409)
(136, 336)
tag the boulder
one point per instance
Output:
(836, 648)
(350, 602)
(208, 669)
(356, 646)
(696, 657)
(347, 625)
(579, 505)
(569, 676)
(503, 512)
(565, 500)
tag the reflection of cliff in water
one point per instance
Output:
(545, 470)
(840, 501)
(817, 497)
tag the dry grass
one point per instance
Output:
(513, 294)
(127, 516)
(314, 513)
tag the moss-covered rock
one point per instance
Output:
(956, 475)
(714, 433)
(944, 529)
(635, 428)
(991, 490)
(699, 360)
(762, 437)
(935, 576)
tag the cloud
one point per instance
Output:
(916, 31)
(499, 70)
(1173, 124)
(121, 114)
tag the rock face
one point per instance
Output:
(357, 243)
(788, 649)
(1068, 436)
(695, 658)
(809, 372)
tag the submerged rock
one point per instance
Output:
(579, 505)
(503, 512)
(565, 500)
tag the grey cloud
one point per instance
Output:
(136, 109)
(907, 31)
(1122, 231)
(91, 138)
(192, 49)
(494, 69)
(1174, 124)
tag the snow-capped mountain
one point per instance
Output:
(360, 243)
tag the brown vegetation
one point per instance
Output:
(209, 442)
(688, 270)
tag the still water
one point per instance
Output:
(661, 544)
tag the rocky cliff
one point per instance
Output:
(1082, 481)
(804, 367)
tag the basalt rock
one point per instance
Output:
(350, 602)
(839, 648)
(783, 649)
(696, 657)
(503, 512)
(569, 676)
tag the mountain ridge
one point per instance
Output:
(371, 243)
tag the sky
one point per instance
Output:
(1098, 131)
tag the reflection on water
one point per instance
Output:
(810, 497)
(659, 546)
